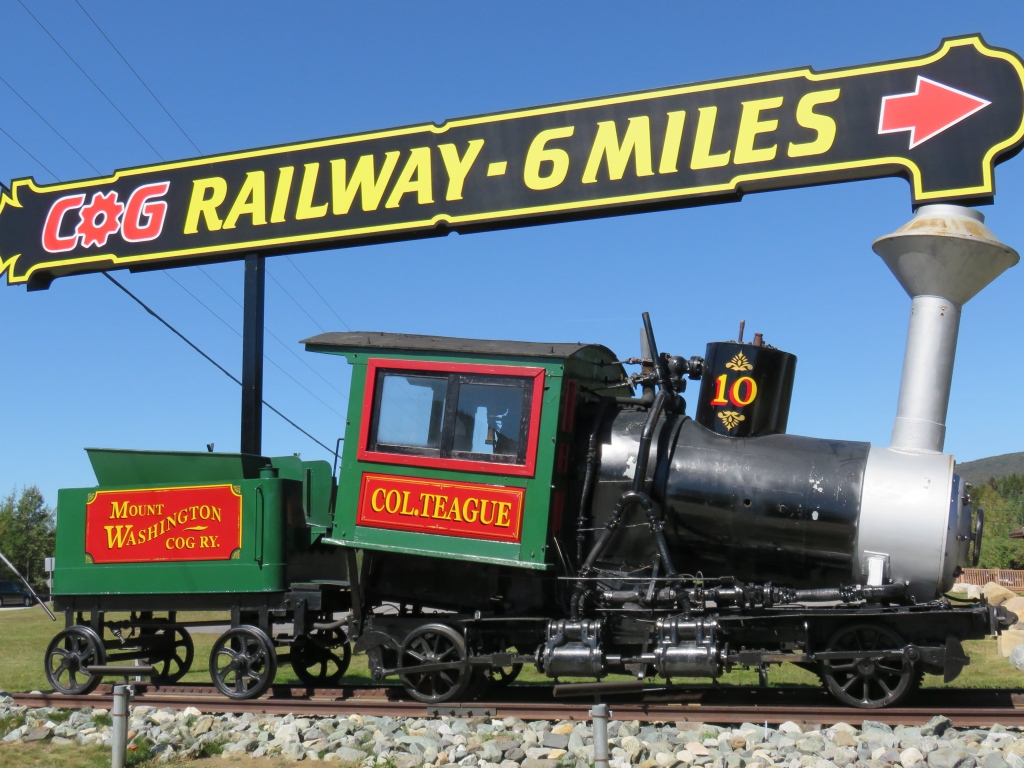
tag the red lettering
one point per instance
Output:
(52, 241)
(142, 204)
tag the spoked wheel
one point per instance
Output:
(322, 657)
(866, 680)
(435, 644)
(68, 654)
(243, 663)
(173, 653)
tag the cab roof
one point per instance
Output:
(594, 365)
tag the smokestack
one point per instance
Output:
(942, 257)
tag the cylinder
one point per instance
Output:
(927, 375)
(745, 389)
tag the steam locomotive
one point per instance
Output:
(507, 503)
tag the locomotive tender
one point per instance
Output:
(518, 502)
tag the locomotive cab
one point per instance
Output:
(456, 459)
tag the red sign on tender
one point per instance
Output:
(180, 524)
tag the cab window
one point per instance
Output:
(455, 416)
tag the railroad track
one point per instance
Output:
(722, 705)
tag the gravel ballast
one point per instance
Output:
(481, 742)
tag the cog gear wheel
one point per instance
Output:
(100, 218)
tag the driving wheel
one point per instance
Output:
(243, 663)
(866, 679)
(173, 653)
(321, 657)
(68, 654)
(435, 644)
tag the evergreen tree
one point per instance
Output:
(27, 533)
(1003, 502)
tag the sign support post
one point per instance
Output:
(252, 354)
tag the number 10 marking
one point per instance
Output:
(745, 385)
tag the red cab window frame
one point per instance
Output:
(373, 365)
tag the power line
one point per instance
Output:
(95, 85)
(22, 148)
(273, 335)
(230, 327)
(296, 266)
(219, 367)
(138, 77)
(73, 147)
(295, 301)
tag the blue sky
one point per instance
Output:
(85, 366)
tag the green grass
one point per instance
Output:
(24, 635)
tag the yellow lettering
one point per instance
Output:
(305, 208)
(201, 205)
(415, 177)
(673, 138)
(119, 535)
(484, 504)
(539, 153)
(439, 504)
(281, 193)
(183, 516)
(426, 499)
(823, 125)
(405, 505)
(606, 145)
(117, 511)
(374, 504)
(458, 168)
(251, 201)
(215, 512)
(469, 513)
(392, 496)
(750, 126)
(370, 187)
(453, 511)
(504, 508)
(702, 157)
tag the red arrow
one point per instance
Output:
(929, 110)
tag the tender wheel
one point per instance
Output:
(863, 681)
(243, 663)
(435, 644)
(321, 658)
(68, 654)
(173, 653)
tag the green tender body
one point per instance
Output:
(271, 489)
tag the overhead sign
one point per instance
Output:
(942, 120)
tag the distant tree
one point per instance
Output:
(1003, 501)
(27, 533)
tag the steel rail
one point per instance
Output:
(731, 706)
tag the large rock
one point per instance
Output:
(1017, 657)
(1009, 640)
(950, 758)
(1016, 605)
(997, 594)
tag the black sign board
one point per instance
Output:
(942, 121)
